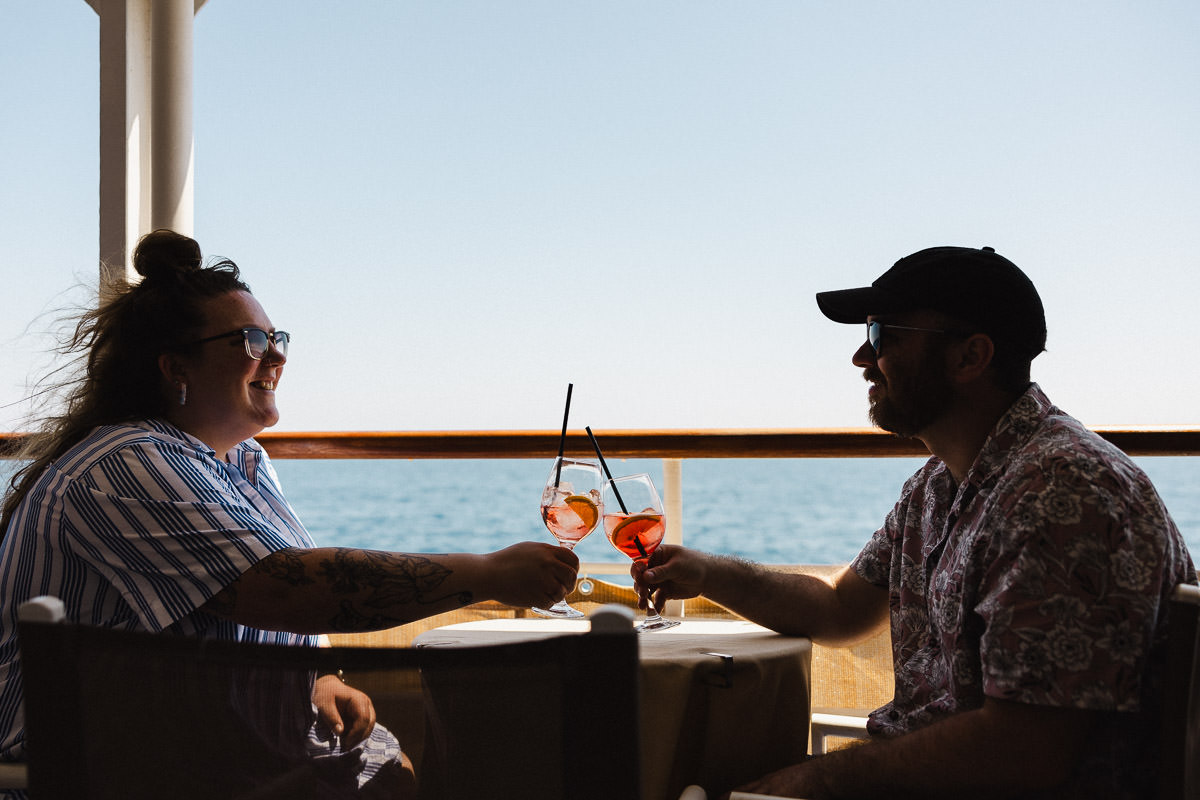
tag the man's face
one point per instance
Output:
(909, 387)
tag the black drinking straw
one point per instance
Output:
(600, 456)
(562, 440)
(642, 550)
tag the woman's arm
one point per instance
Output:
(338, 589)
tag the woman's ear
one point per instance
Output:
(174, 378)
(171, 368)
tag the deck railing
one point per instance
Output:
(672, 446)
(859, 677)
(707, 443)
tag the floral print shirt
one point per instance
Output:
(1042, 578)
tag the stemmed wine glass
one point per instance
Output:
(634, 524)
(571, 509)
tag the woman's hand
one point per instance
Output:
(347, 712)
(530, 574)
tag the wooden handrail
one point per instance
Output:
(617, 444)
(735, 443)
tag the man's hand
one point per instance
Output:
(349, 713)
(672, 573)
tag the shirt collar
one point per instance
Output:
(1015, 427)
(245, 455)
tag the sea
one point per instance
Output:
(783, 511)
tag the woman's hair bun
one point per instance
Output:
(164, 254)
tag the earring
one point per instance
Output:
(182, 392)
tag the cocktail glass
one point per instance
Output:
(571, 508)
(634, 524)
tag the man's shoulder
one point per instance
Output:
(1060, 436)
(1039, 450)
(1065, 459)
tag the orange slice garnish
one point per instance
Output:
(585, 508)
(637, 524)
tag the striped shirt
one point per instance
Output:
(135, 528)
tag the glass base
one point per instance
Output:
(559, 610)
(656, 623)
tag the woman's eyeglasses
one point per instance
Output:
(256, 340)
(875, 332)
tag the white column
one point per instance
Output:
(123, 73)
(171, 116)
(146, 143)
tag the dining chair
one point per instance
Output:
(116, 714)
(13, 774)
(1179, 769)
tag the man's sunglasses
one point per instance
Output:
(875, 332)
(256, 340)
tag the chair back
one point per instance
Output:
(1179, 773)
(112, 714)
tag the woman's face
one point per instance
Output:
(230, 396)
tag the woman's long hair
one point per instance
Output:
(118, 344)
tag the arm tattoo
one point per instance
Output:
(286, 566)
(371, 589)
(381, 580)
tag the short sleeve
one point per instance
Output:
(873, 562)
(880, 561)
(167, 526)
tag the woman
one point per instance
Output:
(148, 506)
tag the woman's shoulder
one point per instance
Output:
(120, 441)
(144, 460)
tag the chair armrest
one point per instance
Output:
(846, 725)
(1187, 593)
(13, 776)
(612, 618)
(696, 793)
(42, 608)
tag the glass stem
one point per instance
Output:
(651, 611)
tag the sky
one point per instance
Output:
(458, 208)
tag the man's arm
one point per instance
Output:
(1003, 749)
(834, 612)
(341, 590)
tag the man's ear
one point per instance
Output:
(970, 358)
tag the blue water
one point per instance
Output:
(793, 511)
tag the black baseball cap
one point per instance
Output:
(978, 286)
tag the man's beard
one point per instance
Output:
(910, 405)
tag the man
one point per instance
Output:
(1024, 569)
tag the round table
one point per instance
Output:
(722, 701)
